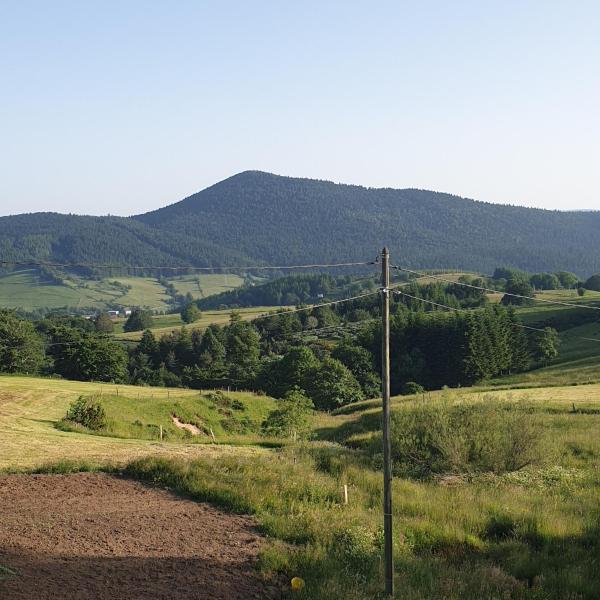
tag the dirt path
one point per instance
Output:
(95, 536)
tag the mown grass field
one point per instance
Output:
(30, 409)
(144, 292)
(203, 285)
(164, 324)
(25, 290)
(530, 534)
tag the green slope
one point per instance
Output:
(258, 218)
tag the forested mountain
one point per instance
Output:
(259, 218)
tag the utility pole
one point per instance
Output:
(387, 446)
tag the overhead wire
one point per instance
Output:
(181, 268)
(481, 288)
(314, 306)
(466, 310)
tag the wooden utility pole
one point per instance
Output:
(387, 446)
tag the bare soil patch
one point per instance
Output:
(188, 426)
(97, 536)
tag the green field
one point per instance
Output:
(529, 534)
(164, 324)
(25, 290)
(144, 292)
(229, 417)
(201, 286)
(579, 358)
(31, 408)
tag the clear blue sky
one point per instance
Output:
(122, 107)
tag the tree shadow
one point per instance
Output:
(135, 578)
(369, 422)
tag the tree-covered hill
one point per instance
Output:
(260, 218)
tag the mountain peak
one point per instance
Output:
(256, 217)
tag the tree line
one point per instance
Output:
(430, 349)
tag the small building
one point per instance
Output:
(113, 314)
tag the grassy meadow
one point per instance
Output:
(31, 410)
(27, 291)
(578, 358)
(532, 533)
(203, 285)
(164, 324)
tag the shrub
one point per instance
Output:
(138, 320)
(411, 388)
(332, 385)
(593, 283)
(190, 313)
(441, 437)
(357, 550)
(104, 323)
(221, 400)
(242, 426)
(87, 411)
(291, 418)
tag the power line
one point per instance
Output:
(314, 306)
(477, 287)
(465, 310)
(180, 268)
(347, 325)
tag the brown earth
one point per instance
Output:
(96, 536)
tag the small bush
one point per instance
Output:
(499, 527)
(292, 417)
(87, 411)
(412, 388)
(221, 400)
(441, 437)
(241, 426)
(357, 550)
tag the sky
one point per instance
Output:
(123, 107)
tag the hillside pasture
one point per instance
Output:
(144, 292)
(165, 324)
(530, 534)
(203, 285)
(31, 408)
(25, 290)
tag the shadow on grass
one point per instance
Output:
(369, 422)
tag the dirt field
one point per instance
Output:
(97, 536)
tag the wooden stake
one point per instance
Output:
(161, 433)
(212, 433)
(345, 493)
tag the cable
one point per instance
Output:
(190, 268)
(477, 287)
(295, 310)
(465, 310)
(399, 293)
(348, 325)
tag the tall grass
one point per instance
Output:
(494, 536)
(440, 436)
